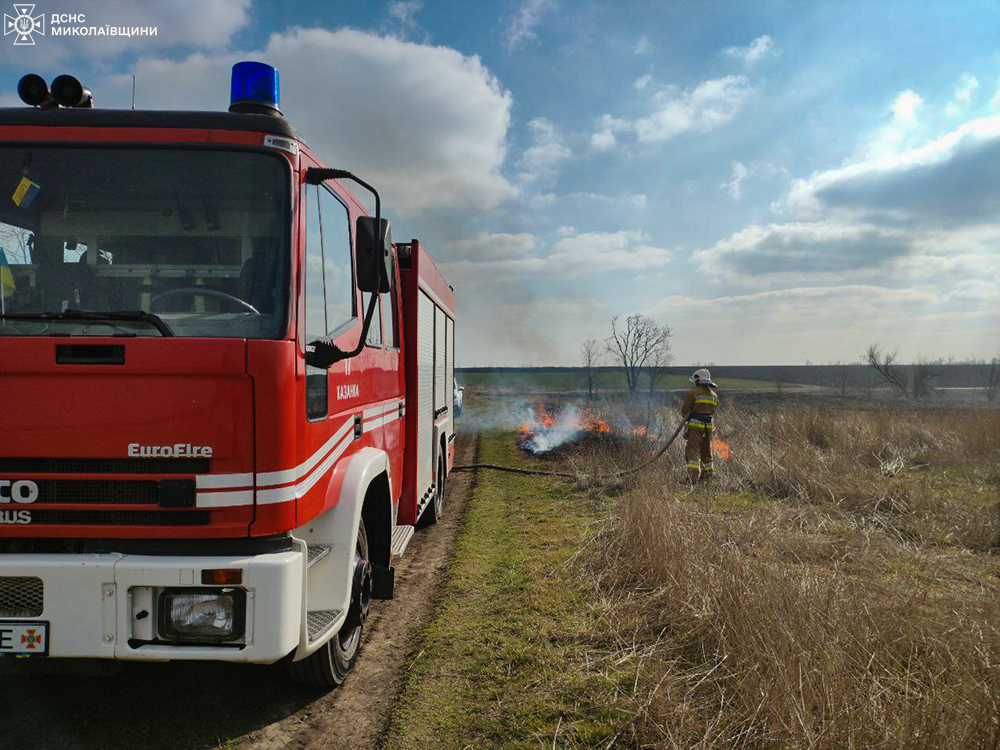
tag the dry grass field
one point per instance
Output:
(835, 587)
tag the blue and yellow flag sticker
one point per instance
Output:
(7, 285)
(25, 193)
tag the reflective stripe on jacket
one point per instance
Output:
(700, 400)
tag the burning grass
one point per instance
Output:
(542, 430)
(836, 587)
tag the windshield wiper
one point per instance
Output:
(139, 316)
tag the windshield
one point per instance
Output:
(199, 238)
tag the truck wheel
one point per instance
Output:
(435, 511)
(328, 666)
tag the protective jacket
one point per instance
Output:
(700, 402)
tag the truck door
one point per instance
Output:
(394, 383)
(330, 309)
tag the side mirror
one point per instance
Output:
(373, 264)
(323, 353)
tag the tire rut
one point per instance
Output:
(356, 715)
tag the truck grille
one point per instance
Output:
(97, 492)
(104, 465)
(119, 518)
(21, 596)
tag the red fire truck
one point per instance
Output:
(225, 394)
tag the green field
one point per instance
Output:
(569, 380)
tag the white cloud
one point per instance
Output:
(548, 149)
(572, 255)
(618, 251)
(434, 136)
(903, 130)
(966, 87)
(708, 106)
(962, 98)
(928, 215)
(754, 52)
(946, 181)
(906, 105)
(402, 23)
(734, 185)
(197, 24)
(995, 101)
(829, 323)
(521, 27)
(605, 139)
(774, 254)
(642, 46)
(630, 201)
(486, 246)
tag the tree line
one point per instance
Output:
(641, 348)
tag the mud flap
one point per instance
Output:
(383, 582)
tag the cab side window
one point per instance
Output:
(391, 312)
(317, 388)
(338, 269)
(374, 339)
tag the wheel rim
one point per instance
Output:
(439, 494)
(350, 635)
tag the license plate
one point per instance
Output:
(24, 638)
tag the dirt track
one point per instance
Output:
(355, 715)
(185, 706)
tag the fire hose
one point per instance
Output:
(570, 475)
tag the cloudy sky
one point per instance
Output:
(778, 181)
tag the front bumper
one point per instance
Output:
(91, 602)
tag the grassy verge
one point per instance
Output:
(517, 653)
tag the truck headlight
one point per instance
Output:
(202, 615)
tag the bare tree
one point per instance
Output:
(885, 365)
(780, 378)
(916, 384)
(991, 380)
(658, 366)
(844, 377)
(638, 344)
(922, 373)
(590, 352)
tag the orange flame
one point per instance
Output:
(587, 421)
(721, 448)
(642, 431)
(541, 419)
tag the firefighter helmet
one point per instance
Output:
(701, 375)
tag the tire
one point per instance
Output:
(329, 665)
(435, 511)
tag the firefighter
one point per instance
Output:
(699, 407)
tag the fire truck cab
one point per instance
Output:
(225, 394)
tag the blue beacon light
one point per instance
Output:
(255, 88)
